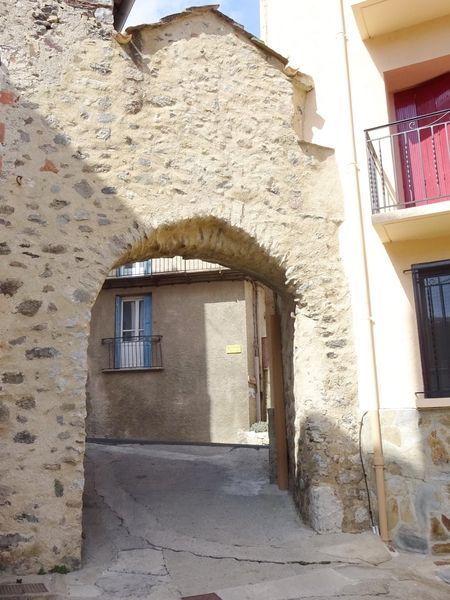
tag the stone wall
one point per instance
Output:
(186, 140)
(417, 450)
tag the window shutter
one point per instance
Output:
(424, 153)
(118, 332)
(147, 330)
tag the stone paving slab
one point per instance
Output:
(366, 547)
(140, 561)
(323, 582)
(202, 597)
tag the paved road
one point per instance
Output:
(164, 522)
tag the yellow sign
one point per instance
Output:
(234, 349)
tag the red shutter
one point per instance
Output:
(424, 142)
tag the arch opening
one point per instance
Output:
(211, 239)
(165, 290)
(224, 307)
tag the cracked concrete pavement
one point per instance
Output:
(162, 522)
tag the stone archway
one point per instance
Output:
(187, 141)
(214, 239)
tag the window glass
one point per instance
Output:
(133, 342)
(141, 317)
(128, 269)
(433, 317)
(127, 318)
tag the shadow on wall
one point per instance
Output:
(416, 443)
(200, 393)
(416, 476)
(313, 120)
(169, 404)
(331, 479)
(417, 457)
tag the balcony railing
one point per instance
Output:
(160, 266)
(133, 352)
(409, 162)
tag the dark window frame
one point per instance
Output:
(421, 272)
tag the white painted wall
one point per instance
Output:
(309, 33)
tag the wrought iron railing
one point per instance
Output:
(160, 266)
(409, 162)
(133, 352)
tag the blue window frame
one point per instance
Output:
(133, 335)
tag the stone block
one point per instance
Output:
(441, 548)
(12, 377)
(8, 287)
(49, 166)
(437, 531)
(41, 353)
(438, 446)
(325, 509)
(24, 437)
(4, 412)
(410, 540)
(7, 97)
(29, 307)
(444, 574)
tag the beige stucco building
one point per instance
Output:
(176, 354)
(377, 63)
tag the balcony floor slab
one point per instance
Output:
(418, 222)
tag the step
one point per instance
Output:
(326, 583)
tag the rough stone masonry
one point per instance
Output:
(185, 140)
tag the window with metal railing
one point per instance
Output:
(432, 295)
(133, 352)
(134, 346)
(160, 266)
(135, 269)
(409, 162)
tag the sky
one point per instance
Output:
(245, 12)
